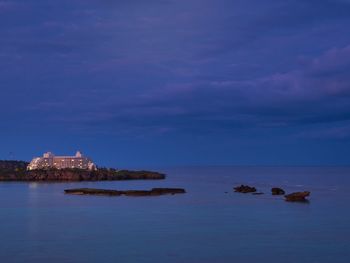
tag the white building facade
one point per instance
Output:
(49, 160)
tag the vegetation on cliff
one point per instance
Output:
(12, 166)
(16, 171)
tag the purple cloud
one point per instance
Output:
(227, 70)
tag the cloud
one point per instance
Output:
(341, 132)
(8, 6)
(180, 66)
(323, 76)
(316, 93)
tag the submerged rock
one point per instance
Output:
(277, 191)
(244, 189)
(164, 191)
(259, 193)
(153, 192)
(297, 197)
(91, 191)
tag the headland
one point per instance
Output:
(17, 171)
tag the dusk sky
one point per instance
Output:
(170, 82)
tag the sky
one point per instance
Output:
(135, 83)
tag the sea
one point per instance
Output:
(210, 223)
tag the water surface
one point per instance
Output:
(39, 223)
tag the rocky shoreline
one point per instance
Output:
(16, 171)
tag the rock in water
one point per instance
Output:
(153, 192)
(164, 191)
(277, 191)
(91, 191)
(244, 189)
(297, 197)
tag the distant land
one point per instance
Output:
(17, 171)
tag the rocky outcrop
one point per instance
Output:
(297, 197)
(277, 191)
(244, 189)
(162, 191)
(78, 175)
(103, 192)
(91, 191)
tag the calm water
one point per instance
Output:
(41, 224)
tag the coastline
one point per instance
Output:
(11, 171)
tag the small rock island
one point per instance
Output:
(293, 197)
(297, 197)
(277, 191)
(244, 189)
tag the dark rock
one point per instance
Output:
(297, 197)
(153, 192)
(136, 193)
(91, 191)
(244, 189)
(164, 191)
(277, 191)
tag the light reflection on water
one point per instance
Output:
(40, 223)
